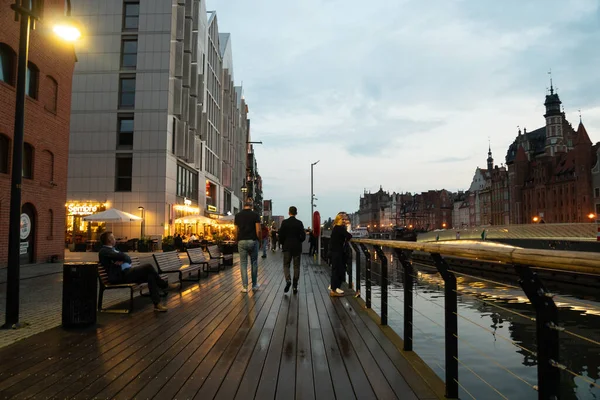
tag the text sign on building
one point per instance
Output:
(25, 226)
(83, 208)
(211, 208)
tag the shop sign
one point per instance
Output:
(83, 209)
(187, 202)
(211, 208)
(25, 226)
(23, 248)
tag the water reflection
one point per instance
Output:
(497, 324)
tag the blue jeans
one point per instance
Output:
(245, 248)
(265, 244)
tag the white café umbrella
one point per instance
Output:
(112, 215)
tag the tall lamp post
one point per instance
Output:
(312, 208)
(27, 13)
(143, 224)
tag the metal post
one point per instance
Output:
(367, 274)
(451, 325)
(349, 268)
(546, 319)
(384, 284)
(408, 272)
(14, 238)
(357, 251)
(312, 211)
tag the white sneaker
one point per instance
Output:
(340, 291)
(329, 287)
(244, 290)
(255, 287)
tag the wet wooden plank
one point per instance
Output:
(305, 384)
(286, 380)
(335, 355)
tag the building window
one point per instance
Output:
(46, 161)
(7, 64)
(129, 53)
(27, 161)
(51, 99)
(125, 132)
(131, 15)
(187, 182)
(31, 81)
(127, 92)
(597, 192)
(123, 172)
(4, 149)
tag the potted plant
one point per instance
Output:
(168, 243)
(144, 244)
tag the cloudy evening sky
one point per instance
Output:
(403, 94)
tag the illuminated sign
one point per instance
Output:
(211, 208)
(187, 202)
(186, 208)
(84, 208)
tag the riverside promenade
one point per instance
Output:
(215, 342)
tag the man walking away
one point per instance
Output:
(248, 231)
(265, 239)
(291, 236)
(119, 270)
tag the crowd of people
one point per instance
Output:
(252, 236)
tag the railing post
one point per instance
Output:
(367, 274)
(349, 267)
(408, 272)
(384, 284)
(546, 319)
(357, 251)
(451, 325)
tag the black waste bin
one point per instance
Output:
(79, 294)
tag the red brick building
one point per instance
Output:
(47, 115)
(550, 171)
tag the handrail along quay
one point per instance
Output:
(525, 262)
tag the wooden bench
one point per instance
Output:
(106, 285)
(215, 253)
(196, 256)
(169, 263)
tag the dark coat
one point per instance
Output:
(107, 257)
(291, 235)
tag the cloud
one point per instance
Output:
(386, 94)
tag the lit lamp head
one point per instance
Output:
(591, 216)
(67, 30)
(535, 219)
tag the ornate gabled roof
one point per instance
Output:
(537, 143)
(582, 135)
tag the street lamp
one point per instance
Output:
(591, 216)
(27, 13)
(143, 224)
(535, 219)
(312, 192)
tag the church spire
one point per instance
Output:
(490, 160)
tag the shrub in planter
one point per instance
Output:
(144, 244)
(168, 243)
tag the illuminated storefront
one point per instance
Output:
(77, 230)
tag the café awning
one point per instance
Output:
(112, 215)
(195, 219)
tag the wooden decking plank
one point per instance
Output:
(263, 379)
(98, 360)
(286, 379)
(231, 366)
(251, 356)
(305, 383)
(339, 375)
(385, 379)
(237, 330)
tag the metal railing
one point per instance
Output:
(525, 262)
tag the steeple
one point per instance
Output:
(554, 121)
(490, 160)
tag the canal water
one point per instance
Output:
(496, 334)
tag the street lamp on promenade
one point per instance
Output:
(143, 224)
(27, 13)
(312, 192)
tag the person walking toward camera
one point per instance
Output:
(339, 237)
(291, 236)
(248, 230)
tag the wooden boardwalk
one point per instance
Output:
(218, 343)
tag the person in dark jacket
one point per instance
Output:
(339, 237)
(291, 236)
(312, 239)
(119, 270)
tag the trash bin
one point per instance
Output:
(79, 294)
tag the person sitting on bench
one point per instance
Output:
(119, 270)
